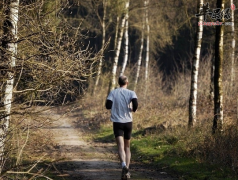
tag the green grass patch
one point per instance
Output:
(104, 134)
(168, 153)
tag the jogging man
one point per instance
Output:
(122, 102)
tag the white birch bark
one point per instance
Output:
(146, 4)
(103, 42)
(218, 94)
(116, 33)
(194, 73)
(115, 62)
(10, 56)
(126, 37)
(140, 53)
(233, 44)
(212, 78)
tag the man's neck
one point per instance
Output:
(125, 86)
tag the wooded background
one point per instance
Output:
(55, 51)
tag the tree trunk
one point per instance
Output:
(103, 43)
(146, 3)
(116, 33)
(218, 94)
(212, 79)
(140, 53)
(9, 58)
(233, 44)
(195, 68)
(126, 39)
(115, 63)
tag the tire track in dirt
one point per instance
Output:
(87, 160)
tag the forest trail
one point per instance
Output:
(84, 159)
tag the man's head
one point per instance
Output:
(122, 80)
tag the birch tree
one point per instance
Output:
(117, 52)
(126, 37)
(233, 44)
(146, 4)
(140, 53)
(9, 59)
(103, 24)
(218, 94)
(195, 68)
(212, 78)
(116, 31)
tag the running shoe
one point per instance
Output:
(124, 173)
(128, 175)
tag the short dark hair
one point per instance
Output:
(122, 80)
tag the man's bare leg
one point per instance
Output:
(124, 154)
(120, 146)
(127, 152)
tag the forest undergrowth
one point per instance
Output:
(160, 134)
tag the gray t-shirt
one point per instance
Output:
(121, 110)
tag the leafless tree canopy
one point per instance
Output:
(52, 63)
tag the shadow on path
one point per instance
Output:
(87, 160)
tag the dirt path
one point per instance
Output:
(87, 160)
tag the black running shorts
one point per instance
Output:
(122, 129)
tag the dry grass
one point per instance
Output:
(29, 143)
(163, 110)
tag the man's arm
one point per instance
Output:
(108, 104)
(134, 104)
